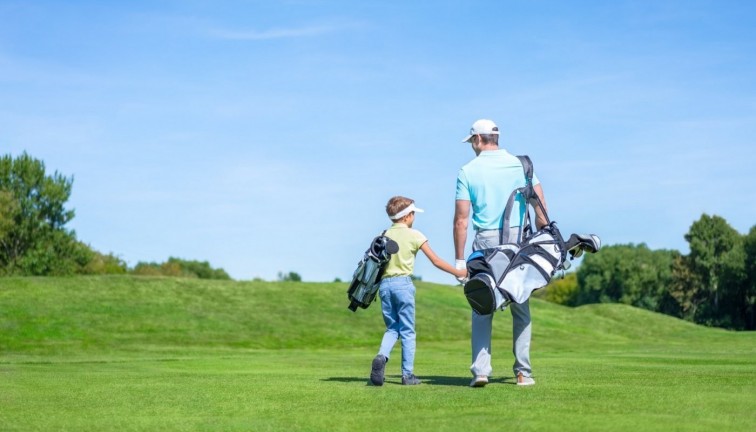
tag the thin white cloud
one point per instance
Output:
(281, 33)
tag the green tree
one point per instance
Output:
(732, 289)
(289, 277)
(715, 284)
(177, 267)
(715, 253)
(684, 291)
(105, 264)
(8, 211)
(147, 269)
(630, 274)
(560, 290)
(33, 237)
(201, 269)
(749, 284)
(59, 254)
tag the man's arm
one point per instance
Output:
(540, 217)
(461, 219)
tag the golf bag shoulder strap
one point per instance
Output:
(531, 197)
(527, 168)
(384, 265)
(527, 193)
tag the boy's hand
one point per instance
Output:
(461, 264)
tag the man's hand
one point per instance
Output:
(461, 264)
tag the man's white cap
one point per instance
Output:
(482, 127)
(410, 208)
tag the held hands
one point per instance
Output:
(461, 266)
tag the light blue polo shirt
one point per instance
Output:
(487, 181)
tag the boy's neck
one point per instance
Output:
(406, 220)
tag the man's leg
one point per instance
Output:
(521, 332)
(482, 324)
(481, 344)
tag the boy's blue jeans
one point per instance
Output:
(398, 305)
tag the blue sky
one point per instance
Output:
(267, 136)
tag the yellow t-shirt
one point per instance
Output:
(409, 240)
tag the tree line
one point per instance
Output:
(34, 240)
(714, 284)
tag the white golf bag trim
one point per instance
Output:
(511, 272)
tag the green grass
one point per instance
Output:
(125, 353)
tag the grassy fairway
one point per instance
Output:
(146, 354)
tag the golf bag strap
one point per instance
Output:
(527, 193)
(379, 276)
(505, 228)
(531, 197)
(527, 167)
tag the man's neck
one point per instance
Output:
(486, 148)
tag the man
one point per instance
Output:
(486, 183)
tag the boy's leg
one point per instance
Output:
(481, 344)
(521, 333)
(390, 318)
(405, 299)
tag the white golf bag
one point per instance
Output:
(511, 272)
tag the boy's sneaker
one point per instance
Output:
(410, 379)
(376, 373)
(479, 381)
(522, 380)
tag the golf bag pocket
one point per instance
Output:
(485, 267)
(510, 273)
(535, 263)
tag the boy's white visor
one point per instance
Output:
(410, 208)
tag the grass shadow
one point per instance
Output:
(456, 381)
(345, 379)
(433, 380)
(390, 380)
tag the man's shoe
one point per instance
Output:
(410, 379)
(376, 373)
(522, 380)
(479, 381)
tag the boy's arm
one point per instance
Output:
(439, 263)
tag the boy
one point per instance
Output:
(397, 292)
